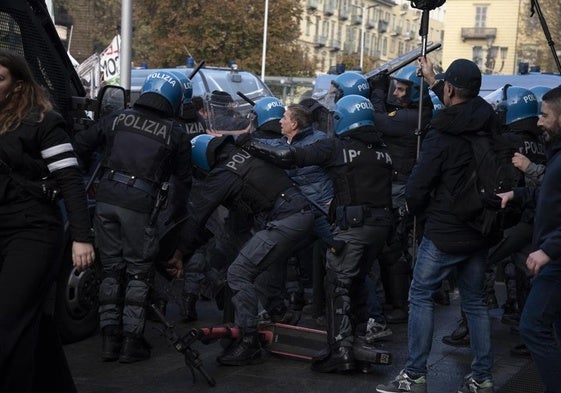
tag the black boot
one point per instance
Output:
(134, 349)
(189, 307)
(111, 343)
(339, 359)
(247, 350)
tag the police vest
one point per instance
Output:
(262, 182)
(141, 144)
(366, 177)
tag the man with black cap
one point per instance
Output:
(448, 243)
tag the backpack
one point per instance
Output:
(490, 172)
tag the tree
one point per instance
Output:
(533, 47)
(220, 31)
(165, 32)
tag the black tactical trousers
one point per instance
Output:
(127, 270)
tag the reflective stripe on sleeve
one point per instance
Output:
(58, 149)
(65, 163)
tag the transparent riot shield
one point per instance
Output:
(222, 114)
(331, 97)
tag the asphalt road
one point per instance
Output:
(165, 371)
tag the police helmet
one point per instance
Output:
(267, 109)
(349, 83)
(352, 112)
(513, 103)
(539, 91)
(167, 85)
(203, 150)
(437, 105)
(408, 76)
(187, 86)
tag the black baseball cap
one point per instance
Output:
(463, 73)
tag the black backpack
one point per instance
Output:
(489, 173)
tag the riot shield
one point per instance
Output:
(223, 117)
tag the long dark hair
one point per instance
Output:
(21, 101)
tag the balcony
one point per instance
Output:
(409, 35)
(320, 41)
(356, 19)
(370, 24)
(344, 13)
(312, 5)
(478, 33)
(396, 31)
(329, 8)
(334, 45)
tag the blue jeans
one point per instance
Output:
(431, 268)
(541, 311)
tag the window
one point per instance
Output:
(480, 16)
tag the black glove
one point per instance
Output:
(281, 155)
(380, 81)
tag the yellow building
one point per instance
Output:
(483, 31)
(331, 29)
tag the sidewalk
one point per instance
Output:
(165, 371)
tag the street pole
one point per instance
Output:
(125, 51)
(362, 28)
(264, 55)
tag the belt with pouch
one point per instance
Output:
(131, 181)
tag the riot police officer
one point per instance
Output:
(360, 167)
(143, 146)
(238, 180)
(396, 104)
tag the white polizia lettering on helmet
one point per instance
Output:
(364, 105)
(529, 98)
(166, 77)
(363, 87)
(274, 104)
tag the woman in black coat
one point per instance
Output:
(36, 162)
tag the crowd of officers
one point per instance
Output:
(325, 184)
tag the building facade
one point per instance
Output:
(485, 32)
(375, 30)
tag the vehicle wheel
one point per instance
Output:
(76, 309)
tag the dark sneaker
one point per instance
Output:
(376, 331)
(337, 360)
(404, 383)
(246, 350)
(472, 386)
(111, 347)
(135, 349)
